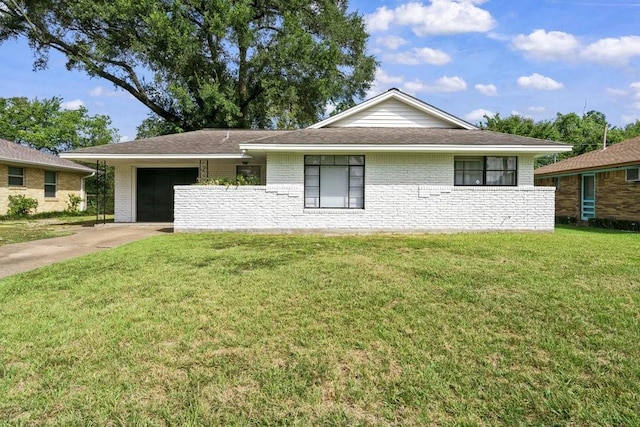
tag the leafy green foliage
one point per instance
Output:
(44, 125)
(240, 180)
(73, 204)
(217, 63)
(21, 206)
(584, 133)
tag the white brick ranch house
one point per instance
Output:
(392, 163)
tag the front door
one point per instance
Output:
(588, 209)
(154, 190)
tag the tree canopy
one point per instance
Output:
(44, 125)
(207, 63)
(585, 133)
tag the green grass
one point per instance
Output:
(233, 329)
(28, 229)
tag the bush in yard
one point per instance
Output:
(20, 206)
(73, 204)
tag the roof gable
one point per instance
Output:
(11, 152)
(394, 108)
(620, 154)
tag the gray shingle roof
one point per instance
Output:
(223, 141)
(11, 152)
(404, 136)
(620, 154)
(207, 141)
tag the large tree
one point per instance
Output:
(207, 63)
(585, 133)
(44, 125)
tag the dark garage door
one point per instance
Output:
(154, 199)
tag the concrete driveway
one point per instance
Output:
(20, 257)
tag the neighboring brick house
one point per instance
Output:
(603, 184)
(390, 163)
(44, 177)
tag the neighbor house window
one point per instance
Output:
(250, 172)
(633, 174)
(50, 183)
(486, 170)
(16, 176)
(334, 182)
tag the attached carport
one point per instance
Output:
(146, 170)
(154, 191)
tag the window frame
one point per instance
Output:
(349, 185)
(21, 176)
(484, 171)
(53, 184)
(626, 174)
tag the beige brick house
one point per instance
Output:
(44, 177)
(602, 184)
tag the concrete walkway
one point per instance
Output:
(20, 257)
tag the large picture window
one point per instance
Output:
(16, 176)
(50, 183)
(486, 170)
(334, 182)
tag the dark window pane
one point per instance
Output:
(312, 170)
(311, 160)
(49, 190)
(16, 171)
(16, 180)
(501, 178)
(356, 171)
(341, 160)
(327, 160)
(356, 160)
(313, 181)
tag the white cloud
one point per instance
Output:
(537, 110)
(124, 138)
(417, 56)
(439, 17)
(383, 81)
(391, 42)
(616, 92)
(516, 113)
(379, 20)
(626, 119)
(552, 45)
(558, 45)
(636, 105)
(487, 90)
(100, 91)
(443, 84)
(539, 82)
(478, 115)
(615, 51)
(72, 105)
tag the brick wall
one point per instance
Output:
(615, 197)
(409, 192)
(388, 207)
(67, 183)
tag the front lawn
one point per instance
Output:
(28, 229)
(234, 329)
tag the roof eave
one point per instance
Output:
(44, 165)
(406, 148)
(110, 156)
(601, 168)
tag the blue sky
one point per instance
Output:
(468, 57)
